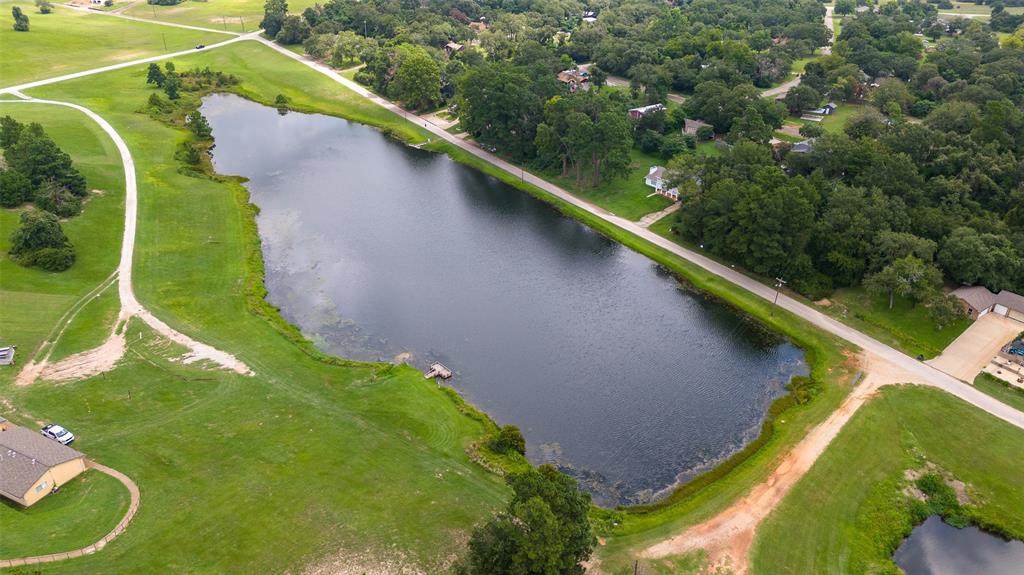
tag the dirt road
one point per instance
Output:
(106, 355)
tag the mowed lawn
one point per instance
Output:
(32, 300)
(82, 512)
(305, 463)
(231, 15)
(67, 41)
(906, 326)
(844, 515)
(627, 196)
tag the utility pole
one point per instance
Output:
(164, 36)
(242, 20)
(779, 282)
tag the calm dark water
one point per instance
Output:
(612, 371)
(935, 548)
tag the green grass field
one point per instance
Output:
(314, 457)
(67, 41)
(230, 15)
(836, 121)
(845, 515)
(311, 456)
(906, 327)
(80, 514)
(32, 300)
(627, 196)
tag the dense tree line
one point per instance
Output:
(926, 180)
(896, 205)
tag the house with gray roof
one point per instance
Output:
(978, 301)
(33, 466)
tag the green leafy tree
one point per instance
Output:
(198, 124)
(509, 438)
(545, 530)
(906, 277)
(971, 258)
(40, 242)
(274, 12)
(944, 309)
(37, 156)
(802, 97)
(294, 30)
(44, 6)
(15, 188)
(172, 87)
(347, 47)
(750, 126)
(155, 76)
(10, 131)
(418, 79)
(20, 19)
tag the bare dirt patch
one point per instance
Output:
(728, 536)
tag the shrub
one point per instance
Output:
(40, 242)
(49, 259)
(509, 438)
(57, 200)
(15, 188)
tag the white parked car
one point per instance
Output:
(58, 433)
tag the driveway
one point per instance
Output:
(974, 349)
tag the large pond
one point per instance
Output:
(379, 251)
(935, 548)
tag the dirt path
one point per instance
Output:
(104, 357)
(728, 536)
(133, 508)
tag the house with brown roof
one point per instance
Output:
(978, 301)
(33, 466)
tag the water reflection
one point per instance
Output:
(611, 369)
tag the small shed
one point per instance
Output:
(7, 355)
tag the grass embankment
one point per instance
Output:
(82, 512)
(230, 15)
(1009, 394)
(32, 300)
(359, 464)
(304, 444)
(848, 514)
(906, 326)
(713, 492)
(67, 41)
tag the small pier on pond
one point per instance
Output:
(438, 370)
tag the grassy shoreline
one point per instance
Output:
(157, 263)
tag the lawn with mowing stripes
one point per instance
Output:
(67, 41)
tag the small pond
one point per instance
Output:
(379, 251)
(935, 548)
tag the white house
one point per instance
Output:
(656, 179)
(637, 113)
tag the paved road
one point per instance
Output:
(784, 87)
(117, 14)
(920, 370)
(84, 73)
(133, 507)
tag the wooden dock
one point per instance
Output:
(438, 370)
